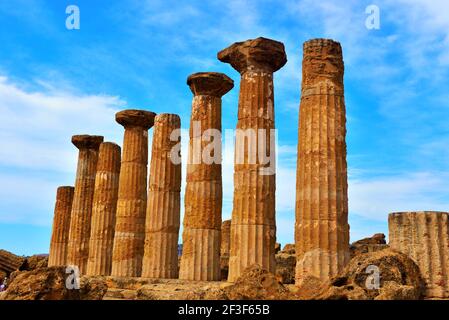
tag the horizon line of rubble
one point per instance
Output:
(112, 223)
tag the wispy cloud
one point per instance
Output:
(36, 154)
(375, 198)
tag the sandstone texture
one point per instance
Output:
(322, 230)
(36, 261)
(50, 284)
(400, 279)
(285, 267)
(424, 237)
(160, 258)
(9, 263)
(203, 197)
(375, 243)
(61, 226)
(225, 238)
(129, 236)
(253, 228)
(225, 248)
(81, 214)
(104, 209)
(289, 248)
(254, 284)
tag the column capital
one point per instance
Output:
(84, 141)
(254, 54)
(138, 118)
(210, 83)
(168, 118)
(323, 60)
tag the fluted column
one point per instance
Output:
(160, 258)
(203, 198)
(103, 210)
(78, 245)
(253, 227)
(322, 230)
(132, 195)
(424, 237)
(61, 227)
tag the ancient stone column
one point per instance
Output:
(132, 195)
(225, 238)
(424, 237)
(78, 244)
(225, 248)
(103, 210)
(322, 230)
(203, 198)
(253, 227)
(160, 258)
(61, 227)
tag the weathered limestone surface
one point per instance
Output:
(225, 237)
(132, 195)
(103, 210)
(253, 228)
(424, 237)
(225, 248)
(375, 243)
(78, 244)
(61, 227)
(160, 258)
(9, 262)
(322, 230)
(203, 198)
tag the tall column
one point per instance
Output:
(424, 237)
(322, 230)
(203, 199)
(160, 258)
(253, 227)
(103, 210)
(132, 195)
(78, 245)
(61, 227)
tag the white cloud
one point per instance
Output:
(37, 125)
(35, 147)
(375, 198)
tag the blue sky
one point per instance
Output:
(56, 82)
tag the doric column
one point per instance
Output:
(103, 210)
(253, 228)
(132, 195)
(203, 199)
(424, 237)
(78, 245)
(61, 227)
(160, 258)
(322, 230)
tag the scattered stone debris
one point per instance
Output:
(9, 263)
(399, 279)
(285, 264)
(50, 284)
(375, 243)
(256, 283)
